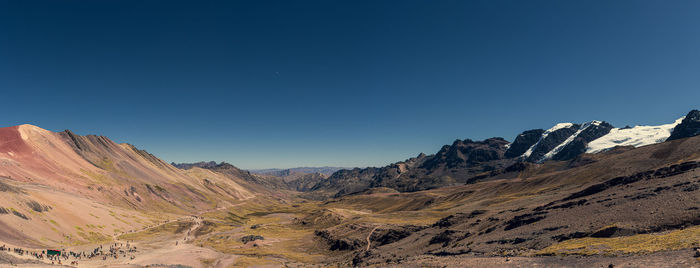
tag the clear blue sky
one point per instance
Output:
(343, 83)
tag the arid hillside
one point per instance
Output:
(61, 188)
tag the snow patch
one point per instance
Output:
(568, 140)
(544, 135)
(558, 127)
(636, 136)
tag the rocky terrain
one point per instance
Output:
(583, 194)
(621, 202)
(301, 179)
(468, 161)
(689, 127)
(299, 170)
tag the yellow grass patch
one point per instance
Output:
(635, 244)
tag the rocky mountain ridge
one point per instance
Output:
(467, 161)
(282, 172)
(280, 180)
(689, 127)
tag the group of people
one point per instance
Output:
(115, 251)
(38, 254)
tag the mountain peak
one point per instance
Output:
(632, 136)
(689, 126)
(201, 164)
(563, 141)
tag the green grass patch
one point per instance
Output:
(170, 228)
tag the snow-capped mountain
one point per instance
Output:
(567, 140)
(564, 141)
(549, 140)
(635, 136)
(576, 143)
(469, 161)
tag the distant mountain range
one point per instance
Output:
(285, 172)
(468, 161)
(274, 172)
(296, 179)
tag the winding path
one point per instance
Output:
(369, 243)
(198, 221)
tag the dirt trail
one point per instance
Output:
(369, 243)
(197, 219)
(185, 253)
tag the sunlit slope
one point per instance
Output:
(96, 167)
(635, 194)
(35, 215)
(78, 180)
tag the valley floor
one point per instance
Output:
(287, 238)
(648, 220)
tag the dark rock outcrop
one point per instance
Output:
(523, 142)
(202, 164)
(613, 231)
(348, 180)
(524, 219)
(464, 153)
(552, 140)
(578, 146)
(305, 182)
(391, 235)
(443, 238)
(338, 243)
(453, 164)
(689, 127)
(251, 238)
